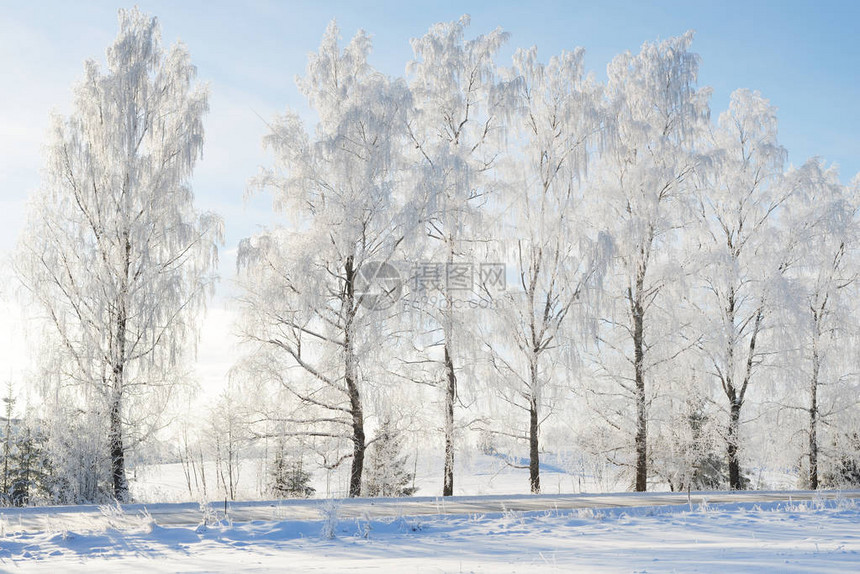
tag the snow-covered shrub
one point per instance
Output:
(687, 455)
(329, 511)
(25, 466)
(288, 478)
(385, 473)
(845, 470)
(363, 527)
(79, 466)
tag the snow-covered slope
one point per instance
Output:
(477, 473)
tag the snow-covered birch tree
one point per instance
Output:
(456, 118)
(823, 273)
(547, 233)
(114, 251)
(311, 311)
(644, 178)
(737, 200)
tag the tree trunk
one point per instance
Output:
(202, 472)
(450, 385)
(450, 397)
(641, 440)
(358, 443)
(117, 451)
(351, 378)
(534, 452)
(813, 412)
(534, 446)
(732, 451)
(7, 444)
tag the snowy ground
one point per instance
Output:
(476, 474)
(815, 536)
(291, 536)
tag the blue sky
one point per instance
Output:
(803, 56)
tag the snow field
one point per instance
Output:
(814, 536)
(476, 474)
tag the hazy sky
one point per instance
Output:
(803, 56)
